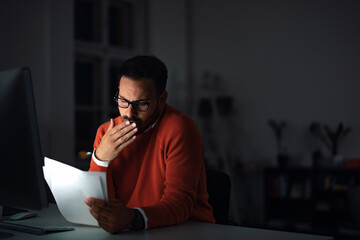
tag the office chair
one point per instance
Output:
(218, 186)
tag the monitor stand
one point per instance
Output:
(4, 235)
(8, 211)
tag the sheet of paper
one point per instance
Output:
(71, 186)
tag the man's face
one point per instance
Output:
(143, 91)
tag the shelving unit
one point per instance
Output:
(213, 107)
(308, 200)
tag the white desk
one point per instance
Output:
(185, 231)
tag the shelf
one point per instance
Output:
(314, 197)
(289, 199)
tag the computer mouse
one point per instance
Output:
(22, 215)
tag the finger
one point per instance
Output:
(123, 132)
(101, 207)
(112, 124)
(105, 227)
(120, 127)
(101, 218)
(115, 128)
(90, 201)
(127, 136)
(102, 221)
(108, 227)
(101, 210)
(99, 214)
(111, 204)
(94, 214)
(126, 143)
(97, 205)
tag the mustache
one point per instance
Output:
(131, 119)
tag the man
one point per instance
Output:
(152, 154)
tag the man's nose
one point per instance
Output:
(131, 111)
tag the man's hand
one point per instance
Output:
(115, 140)
(112, 216)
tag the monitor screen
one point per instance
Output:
(21, 178)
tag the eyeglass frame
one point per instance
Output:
(117, 98)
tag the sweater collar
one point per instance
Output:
(153, 125)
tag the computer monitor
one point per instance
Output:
(22, 183)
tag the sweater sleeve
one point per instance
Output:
(183, 156)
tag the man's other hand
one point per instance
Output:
(112, 216)
(115, 140)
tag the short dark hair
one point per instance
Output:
(146, 66)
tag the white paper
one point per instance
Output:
(71, 186)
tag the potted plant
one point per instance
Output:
(278, 128)
(331, 138)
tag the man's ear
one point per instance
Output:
(162, 98)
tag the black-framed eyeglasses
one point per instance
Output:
(139, 106)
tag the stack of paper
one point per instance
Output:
(71, 186)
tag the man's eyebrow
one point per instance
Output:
(144, 99)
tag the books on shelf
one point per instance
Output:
(284, 187)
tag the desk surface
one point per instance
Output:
(185, 231)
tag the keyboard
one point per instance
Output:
(34, 227)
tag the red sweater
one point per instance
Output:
(162, 172)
